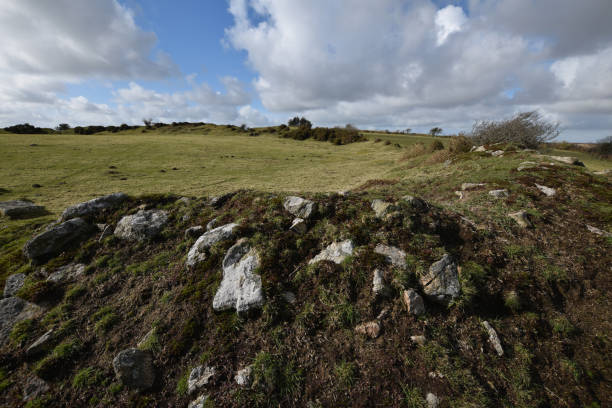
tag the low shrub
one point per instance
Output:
(459, 144)
(338, 136)
(527, 129)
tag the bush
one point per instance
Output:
(300, 122)
(435, 131)
(437, 145)
(603, 148)
(25, 128)
(459, 144)
(527, 129)
(338, 136)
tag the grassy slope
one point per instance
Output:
(555, 332)
(73, 168)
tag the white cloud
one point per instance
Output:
(449, 20)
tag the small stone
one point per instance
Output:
(199, 402)
(603, 172)
(381, 208)
(67, 273)
(416, 203)
(499, 193)
(393, 255)
(134, 368)
(41, 344)
(194, 232)
(300, 207)
(459, 194)
(548, 192)
(522, 218)
(197, 253)
(420, 339)
(379, 288)
(370, 329)
(432, 400)
(441, 283)
(12, 311)
(497, 153)
(414, 302)
(528, 165)
(20, 209)
(298, 226)
(243, 377)
(144, 225)
(479, 149)
(199, 377)
(217, 202)
(568, 160)
(146, 338)
(493, 338)
(597, 231)
(183, 200)
(34, 387)
(335, 252)
(13, 284)
(289, 297)
(471, 186)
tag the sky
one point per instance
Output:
(384, 64)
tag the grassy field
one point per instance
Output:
(72, 168)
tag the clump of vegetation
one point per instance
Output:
(337, 136)
(527, 129)
(26, 129)
(346, 373)
(275, 376)
(460, 144)
(105, 319)
(87, 377)
(62, 355)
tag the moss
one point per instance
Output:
(413, 397)
(62, 355)
(151, 343)
(23, 331)
(75, 292)
(346, 373)
(181, 385)
(561, 325)
(105, 319)
(39, 291)
(87, 377)
(276, 376)
(5, 380)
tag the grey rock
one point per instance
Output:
(479, 149)
(597, 231)
(198, 378)
(217, 202)
(381, 208)
(471, 186)
(211, 224)
(522, 218)
(199, 402)
(370, 329)
(603, 172)
(441, 283)
(414, 302)
(12, 311)
(289, 297)
(379, 288)
(93, 206)
(300, 207)
(194, 232)
(497, 153)
(53, 241)
(394, 255)
(34, 387)
(13, 284)
(335, 252)
(244, 377)
(41, 344)
(418, 339)
(134, 368)
(298, 226)
(493, 338)
(197, 253)
(240, 288)
(144, 225)
(528, 165)
(67, 273)
(568, 160)
(432, 400)
(548, 191)
(499, 193)
(20, 209)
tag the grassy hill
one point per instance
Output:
(544, 289)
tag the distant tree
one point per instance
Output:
(147, 122)
(300, 122)
(62, 126)
(408, 131)
(25, 128)
(294, 121)
(350, 126)
(527, 129)
(435, 131)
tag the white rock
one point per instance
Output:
(497, 153)
(522, 218)
(528, 165)
(243, 377)
(198, 402)
(198, 378)
(479, 149)
(145, 224)
(441, 283)
(211, 224)
(240, 288)
(568, 160)
(419, 339)
(370, 329)
(548, 191)
(432, 400)
(335, 252)
(40, 343)
(459, 194)
(493, 338)
(393, 255)
(299, 207)
(381, 208)
(197, 253)
(499, 193)
(471, 186)
(194, 232)
(298, 226)
(597, 231)
(379, 288)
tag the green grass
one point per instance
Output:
(73, 168)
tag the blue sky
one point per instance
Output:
(389, 64)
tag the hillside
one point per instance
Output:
(432, 291)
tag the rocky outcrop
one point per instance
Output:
(12, 311)
(197, 253)
(93, 206)
(414, 302)
(142, 226)
(134, 368)
(67, 273)
(393, 255)
(300, 207)
(57, 238)
(441, 283)
(198, 378)
(493, 338)
(20, 209)
(240, 288)
(335, 252)
(13, 284)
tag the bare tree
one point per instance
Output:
(435, 131)
(147, 122)
(527, 129)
